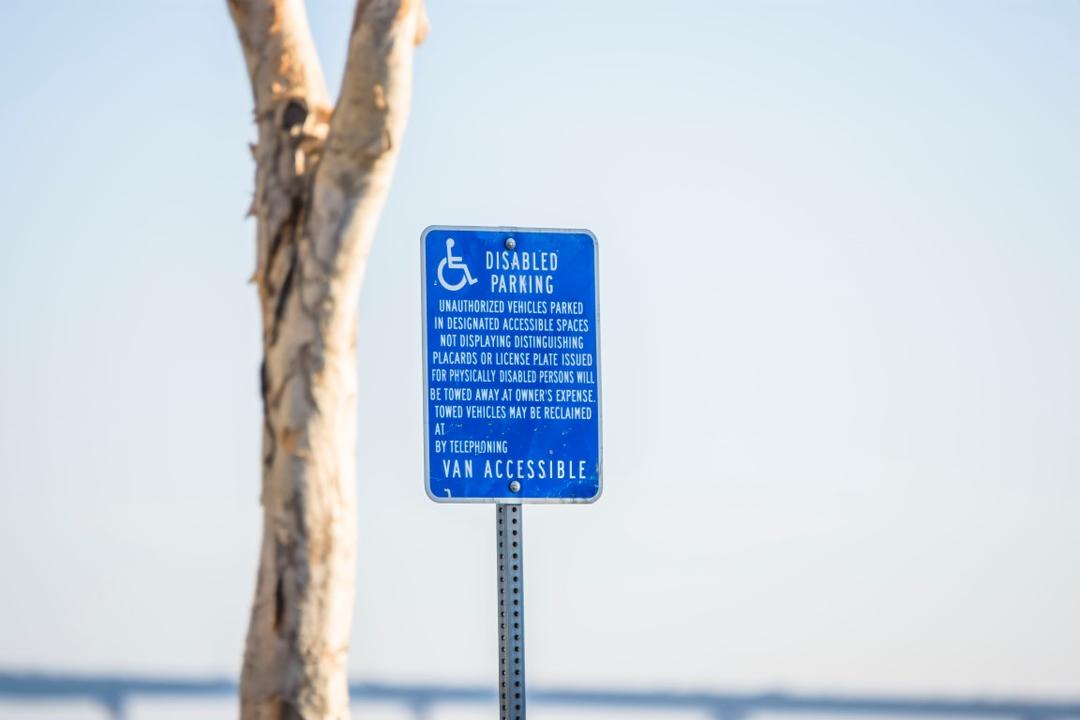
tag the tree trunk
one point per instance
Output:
(321, 180)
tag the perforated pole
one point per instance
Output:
(510, 550)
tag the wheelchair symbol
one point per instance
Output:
(454, 262)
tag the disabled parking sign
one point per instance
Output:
(511, 365)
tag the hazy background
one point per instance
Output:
(840, 291)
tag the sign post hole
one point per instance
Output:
(512, 399)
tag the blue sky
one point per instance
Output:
(839, 262)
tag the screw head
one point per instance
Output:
(515, 486)
(511, 243)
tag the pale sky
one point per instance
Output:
(839, 262)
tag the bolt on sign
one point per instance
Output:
(511, 365)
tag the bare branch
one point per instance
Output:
(280, 55)
(357, 161)
(369, 118)
(291, 112)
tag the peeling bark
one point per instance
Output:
(321, 180)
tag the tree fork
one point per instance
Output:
(321, 179)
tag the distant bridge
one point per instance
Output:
(113, 693)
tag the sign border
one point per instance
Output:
(511, 230)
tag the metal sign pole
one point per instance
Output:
(510, 551)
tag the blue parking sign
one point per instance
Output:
(511, 365)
